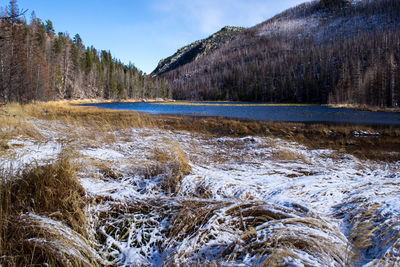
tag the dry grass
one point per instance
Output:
(34, 240)
(131, 225)
(79, 122)
(364, 229)
(105, 119)
(4, 145)
(14, 122)
(192, 216)
(279, 236)
(100, 125)
(91, 100)
(52, 189)
(314, 136)
(271, 235)
(370, 230)
(289, 155)
(54, 193)
(166, 162)
(174, 162)
(106, 170)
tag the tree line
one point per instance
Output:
(352, 56)
(38, 64)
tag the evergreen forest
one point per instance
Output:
(39, 64)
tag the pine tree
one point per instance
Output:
(14, 13)
(49, 27)
(77, 39)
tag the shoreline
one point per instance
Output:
(166, 101)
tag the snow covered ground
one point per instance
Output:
(246, 201)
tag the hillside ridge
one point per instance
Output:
(197, 49)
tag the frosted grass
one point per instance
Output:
(247, 201)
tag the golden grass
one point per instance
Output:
(86, 124)
(289, 155)
(13, 123)
(370, 230)
(67, 113)
(175, 162)
(167, 162)
(314, 136)
(4, 145)
(36, 241)
(53, 192)
(105, 169)
(53, 189)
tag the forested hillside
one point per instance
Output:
(38, 64)
(328, 51)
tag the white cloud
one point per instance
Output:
(208, 16)
(176, 23)
(210, 19)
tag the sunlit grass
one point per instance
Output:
(365, 107)
(43, 217)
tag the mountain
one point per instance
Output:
(196, 50)
(328, 51)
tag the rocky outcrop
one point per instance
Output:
(197, 50)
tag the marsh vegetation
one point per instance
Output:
(90, 187)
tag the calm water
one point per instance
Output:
(296, 113)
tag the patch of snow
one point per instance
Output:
(29, 152)
(102, 153)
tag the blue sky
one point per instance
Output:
(143, 32)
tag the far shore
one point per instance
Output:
(133, 100)
(366, 108)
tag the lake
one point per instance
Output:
(265, 112)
